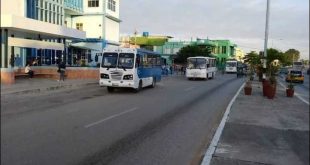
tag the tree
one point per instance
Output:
(252, 58)
(290, 56)
(254, 61)
(274, 54)
(191, 51)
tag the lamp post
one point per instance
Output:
(135, 33)
(266, 39)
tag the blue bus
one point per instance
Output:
(129, 68)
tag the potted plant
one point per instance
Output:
(271, 87)
(248, 88)
(290, 89)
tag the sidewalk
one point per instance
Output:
(25, 85)
(34, 85)
(263, 131)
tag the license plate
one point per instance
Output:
(114, 84)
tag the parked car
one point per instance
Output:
(295, 76)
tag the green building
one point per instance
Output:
(221, 49)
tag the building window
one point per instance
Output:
(45, 18)
(41, 15)
(223, 49)
(54, 17)
(50, 17)
(79, 26)
(93, 3)
(111, 5)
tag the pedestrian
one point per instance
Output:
(61, 70)
(171, 71)
(29, 71)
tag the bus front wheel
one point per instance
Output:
(139, 87)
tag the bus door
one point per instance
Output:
(139, 65)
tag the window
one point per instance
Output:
(45, 18)
(79, 26)
(111, 5)
(223, 49)
(54, 17)
(50, 17)
(41, 15)
(93, 3)
(57, 19)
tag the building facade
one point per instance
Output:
(32, 30)
(221, 49)
(49, 31)
(100, 20)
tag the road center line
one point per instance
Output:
(111, 117)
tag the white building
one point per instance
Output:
(34, 29)
(50, 30)
(100, 20)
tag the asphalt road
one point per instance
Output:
(301, 89)
(170, 124)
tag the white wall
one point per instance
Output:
(112, 13)
(103, 8)
(111, 30)
(91, 25)
(88, 10)
(14, 7)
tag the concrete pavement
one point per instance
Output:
(34, 85)
(263, 131)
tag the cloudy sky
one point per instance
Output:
(241, 21)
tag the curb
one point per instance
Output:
(51, 88)
(211, 149)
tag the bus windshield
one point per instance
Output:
(126, 60)
(109, 60)
(196, 63)
(231, 64)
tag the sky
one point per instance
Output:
(241, 21)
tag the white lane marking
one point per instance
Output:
(188, 89)
(297, 94)
(208, 156)
(111, 117)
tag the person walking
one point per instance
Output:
(61, 70)
(29, 71)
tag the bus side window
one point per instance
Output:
(138, 61)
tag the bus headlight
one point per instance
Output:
(104, 76)
(128, 77)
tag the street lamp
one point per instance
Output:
(266, 39)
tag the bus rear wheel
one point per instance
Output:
(153, 83)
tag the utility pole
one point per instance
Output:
(266, 39)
